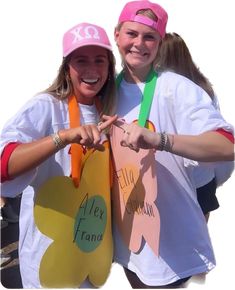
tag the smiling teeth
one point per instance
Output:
(90, 81)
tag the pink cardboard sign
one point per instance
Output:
(134, 195)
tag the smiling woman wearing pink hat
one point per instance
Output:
(168, 125)
(55, 152)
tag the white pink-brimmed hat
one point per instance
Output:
(131, 8)
(85, 34)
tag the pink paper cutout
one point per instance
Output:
(134, 195)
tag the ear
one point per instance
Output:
(116, 34)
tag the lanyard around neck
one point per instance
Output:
(147, 98)
(76, 149)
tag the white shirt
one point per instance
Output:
(179, 107)
(39, 117)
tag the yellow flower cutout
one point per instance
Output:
(78, 220)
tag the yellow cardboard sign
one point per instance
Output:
(78, 220)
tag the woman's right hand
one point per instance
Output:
(37, 151)
(87, 135)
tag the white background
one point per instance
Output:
(31, 51)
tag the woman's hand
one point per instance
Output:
(207, 147)
(34, 153)
(136, 137)
(88, 135)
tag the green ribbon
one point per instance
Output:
(147, 98)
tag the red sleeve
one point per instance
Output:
(6, 154)
(226, 134)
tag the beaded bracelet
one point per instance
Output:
(162, 143)
(169, 144)
(59, 144)
(165, 144)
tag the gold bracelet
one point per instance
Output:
(59, 143)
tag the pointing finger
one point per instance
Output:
(108, 120)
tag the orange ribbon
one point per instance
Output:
(76, 149)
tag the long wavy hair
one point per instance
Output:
(174, 55)
(62, 87)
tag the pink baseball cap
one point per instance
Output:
(129, 13)
(85, 34)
